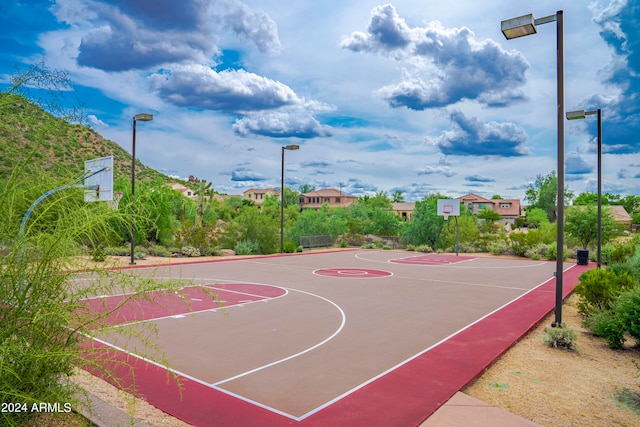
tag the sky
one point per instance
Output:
(414, 96)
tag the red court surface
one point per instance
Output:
(375, 338)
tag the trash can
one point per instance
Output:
(583, 257)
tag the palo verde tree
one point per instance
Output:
(582, 224)
(543, 194)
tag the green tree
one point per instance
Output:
(543, 194)
(397, 196)
(384, 223)
(536, 217)
(468, 232)
(488, 217)
(582, 224)
(426, 226)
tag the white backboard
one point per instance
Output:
(448, 207)
(99, 186)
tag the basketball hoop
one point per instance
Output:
(446, 217)
(113, 204)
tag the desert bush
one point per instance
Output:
(247, 247)
(551, 253)
(627, 311)
(117, 250)
(604, 324)
(519, 243)
(598, 289)
(563, 338)
(190, 251)
(499, 247)
(160, 251)
(289, 247)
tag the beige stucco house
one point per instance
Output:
(332, 197)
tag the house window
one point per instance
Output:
(505, 205)
(470, 206)
(326, 199)
(481, 206)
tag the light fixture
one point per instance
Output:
(142, 117)
(291, 148)
(581, 114)
(523, 26)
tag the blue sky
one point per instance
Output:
(410, 96)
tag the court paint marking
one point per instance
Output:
(525, 263)
(355, 273)
(343, 322)
(415, 356)
(216, 386)
(239, 303)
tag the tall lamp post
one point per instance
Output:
(523, 26)
(581, 114)
(286, 147)
(142, 117)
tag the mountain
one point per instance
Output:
(58, 148)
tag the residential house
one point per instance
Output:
(509, 209)
(332, 197)
(183, 189)
(404, 210)
(189, 193)
(258, 195)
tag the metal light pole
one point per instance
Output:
(286, 147)
(523, 26)
(143, 117)
(581, 114)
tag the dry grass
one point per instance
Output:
(555, 387)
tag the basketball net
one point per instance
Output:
(446, 217)
(113, 204)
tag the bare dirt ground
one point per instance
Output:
(551, 387)
(555, 387)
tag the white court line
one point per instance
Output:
(238, 304)
(415, 356)
(329, 338)
(332, 401)
(216, 385)
(525, 264)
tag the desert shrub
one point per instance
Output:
(552, 254)
(289, 247)
(498, 247)
(410, 248)
(607, 253)
(424, 248)
(519, 243)
(604, 324)
(117, 250)
(160, 251)
(622, 252)
(598, 289)
(627, 311)
(210, 251)
(247, 247)
(563, 338)
(139, 255)
(190, 251)
(98, 254)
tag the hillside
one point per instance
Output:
(57, 147)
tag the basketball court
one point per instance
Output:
(340, 338)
